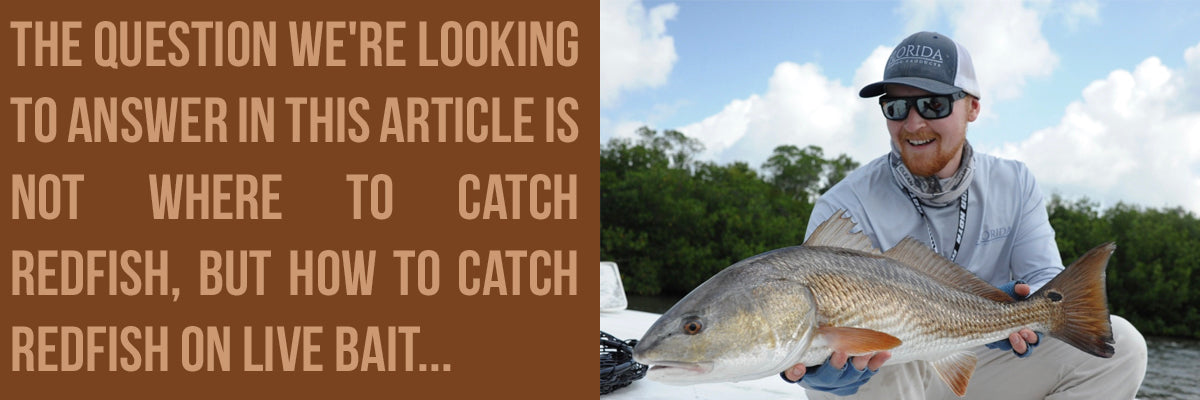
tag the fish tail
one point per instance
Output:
(1084, 321)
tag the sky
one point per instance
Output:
(1100, 99)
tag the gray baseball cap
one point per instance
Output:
(929, 61)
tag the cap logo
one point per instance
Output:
(917, 53)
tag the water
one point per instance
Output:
(1173, 372)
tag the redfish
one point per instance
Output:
(796, 305)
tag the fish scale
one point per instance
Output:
(837, 293)
(929, 326)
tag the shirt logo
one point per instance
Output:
(994, 234)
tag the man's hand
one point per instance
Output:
(1023, 341)
(834, 377)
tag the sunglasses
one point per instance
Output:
(929, 107)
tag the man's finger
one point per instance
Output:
(860, 362)
(838, 360)
(1018, 343)
(1021, 290)
(878, 360)
(795, 372)
(1029, 336)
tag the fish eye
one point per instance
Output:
(692, 325)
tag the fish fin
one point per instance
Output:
(857, 341)
(920, 257)
(1080, 289)
(835, 232)
(956, 370)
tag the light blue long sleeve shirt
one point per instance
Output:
(1007, 236)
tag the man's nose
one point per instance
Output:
(914, 122)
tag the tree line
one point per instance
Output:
(671, 222)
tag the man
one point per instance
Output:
(986, 214)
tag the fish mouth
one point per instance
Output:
(668, 371)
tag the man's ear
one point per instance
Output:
(972, 108)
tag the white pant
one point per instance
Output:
(1055, 370)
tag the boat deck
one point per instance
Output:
(630, 324)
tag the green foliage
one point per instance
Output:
(672, 222)
(1152, 278)
(800, 172)
(836, 170)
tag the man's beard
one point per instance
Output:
(926, 165)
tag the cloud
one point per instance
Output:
(1133, 136)
(622, 128)
(626, 126)
(800, 107)
(921, 15)
(1192, 77)
(1081, 11)
(635, 50)
(1003, 37)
